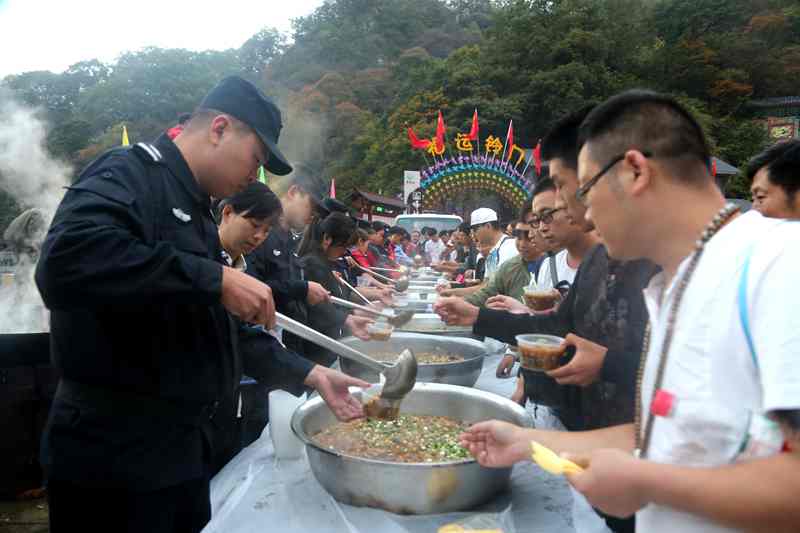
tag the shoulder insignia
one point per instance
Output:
(148, 152)
(180, 215)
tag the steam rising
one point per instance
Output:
(36, 182)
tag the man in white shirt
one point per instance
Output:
(434, 247)
(721, 380)
(486, 228)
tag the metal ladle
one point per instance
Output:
(396, 320)
(400, 285)
(400, 376)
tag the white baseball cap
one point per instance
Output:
(482, 216)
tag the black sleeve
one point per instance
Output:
(95, 253)
(505, 326)
(284, 291)
(268, 362)
(324, 317)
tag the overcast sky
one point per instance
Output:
(53, 34)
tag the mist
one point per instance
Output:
(36, 181)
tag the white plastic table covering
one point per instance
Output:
(256, 492)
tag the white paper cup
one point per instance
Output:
(281, 408)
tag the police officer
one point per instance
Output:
(140, 330)
(301, 194)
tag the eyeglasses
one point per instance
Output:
(545, 217)
(584, 189)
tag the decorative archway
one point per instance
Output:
(494, 169)
(472, 172)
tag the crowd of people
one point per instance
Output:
(167, 264)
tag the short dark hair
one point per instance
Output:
(464, 227)
(255, 201)
(561, 142)
(543, 185)
(431, 232)
(395, 230)
(648, 121)
(378, 226)
(183, 118)
(782, 161)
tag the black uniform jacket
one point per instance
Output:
(273, 263)
(131, 273)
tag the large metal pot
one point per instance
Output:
(431, 324)
(411, 488)
(464, 373)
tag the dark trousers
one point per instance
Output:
(183, 508)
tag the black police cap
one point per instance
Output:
(242, 100)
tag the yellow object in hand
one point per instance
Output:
(552, 462)
(455, 528)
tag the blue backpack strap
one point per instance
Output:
(744, 313)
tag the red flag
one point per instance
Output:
(416, 143)
(510, 139)
(537, 158)
(440, 133)
(473, 132)
(333, 188)
(714, 166)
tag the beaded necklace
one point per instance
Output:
(643, 440)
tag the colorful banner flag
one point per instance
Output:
(333, 188)
(416, 142)
(473, 132)
(714, 166)
(440, 131)
(537, 158)
(262, 176)
(510, 135)
(125, 141)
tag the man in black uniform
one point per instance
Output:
(300, 193)
(140, 325)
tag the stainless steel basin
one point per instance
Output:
(464, 373)
(411, 488)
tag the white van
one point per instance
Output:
(428, 220)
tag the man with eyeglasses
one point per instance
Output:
(603, 316)
(515, 274)
(714, 445)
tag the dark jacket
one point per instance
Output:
(605, 305)
(327, 318)
(130, 271)
(272, 263)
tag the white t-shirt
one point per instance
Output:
(434, 250)
(504, 249)
(719, 390)
(564, 272)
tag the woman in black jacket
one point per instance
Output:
(323, 244)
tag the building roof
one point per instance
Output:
(781, 101)
(724, 168)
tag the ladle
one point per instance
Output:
(358, 293)
(400, 285)
(400, 376)
(397, 320)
